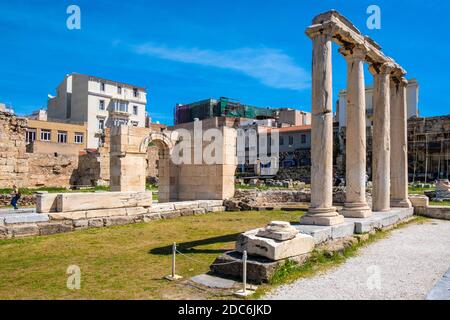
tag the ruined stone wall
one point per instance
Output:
(29, 170)
(429, 148)
(13, 156)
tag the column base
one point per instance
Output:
(322, 217)
(401, 203)
(356, 210)
(381, 210)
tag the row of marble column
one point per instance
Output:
(390, 175)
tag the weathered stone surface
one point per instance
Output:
(199, 211)
(46, 202)
(25, 218)
(217, 209)
(3, 233)
(152, 217)
(187, 212)
(259, 269)
(210, 203)
(171, 214)
(186, 205)
(136, 211)
(106, 213)
(161, 207)
(437, 212)
(81, 224)
(24, 230)
(118, 221)
(213, 282)
(96, 223)
(419, 200)
(68, 216)
(102, 200)
(54, 228)
(272, 249)
(278, 230)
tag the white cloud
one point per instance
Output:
(270, 66)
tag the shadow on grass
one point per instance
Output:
(189, 247)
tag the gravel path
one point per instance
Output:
(405, 265)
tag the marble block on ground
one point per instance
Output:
(274, 249)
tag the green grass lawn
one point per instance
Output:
(417, 190)
(126, 262)
(439, 203)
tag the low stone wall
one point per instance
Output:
(102, 218)
(254, 199)
(437, 212)
(25, 200)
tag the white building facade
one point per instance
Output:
(412, 103)
(98, 102)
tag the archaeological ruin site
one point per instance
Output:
(338, 192)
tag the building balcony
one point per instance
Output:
(119, 114)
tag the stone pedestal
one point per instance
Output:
(262, 242)
(321, 211)
(356, 204)
(399, 145)
(381, 139)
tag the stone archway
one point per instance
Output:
(168, 173)
(178, 182)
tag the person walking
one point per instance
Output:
(15, 197)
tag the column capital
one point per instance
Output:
(325, 29)
(354, 52)
(384, 68)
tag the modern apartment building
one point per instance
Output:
(98, 102)
(55, 137)
(412, 102)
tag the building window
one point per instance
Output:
(79, 137)
(135, 123)
(31, 135)
(291, 140)
(62, 136)
(121, 106)
(281, 141)
(101, 105)
(46, 135)
(102, 86)
(135, 110)
(119, 89)
(101, 124)
(135, 93)
(303, 137)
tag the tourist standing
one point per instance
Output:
(15, 197)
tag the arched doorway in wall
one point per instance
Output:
(166, 171)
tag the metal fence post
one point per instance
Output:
(174, 276)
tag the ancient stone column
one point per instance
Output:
(399, 145)
(321, 211)
(356, 204)
(381, 139)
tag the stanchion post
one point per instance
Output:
(174, 276)
(244, 292)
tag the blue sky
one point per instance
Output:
(183, 51)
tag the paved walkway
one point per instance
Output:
(405, 265)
